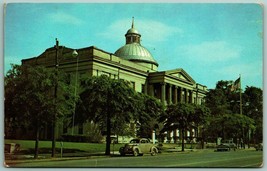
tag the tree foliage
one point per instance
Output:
(184, 116)
(29, 98)
(253, 108)
(226, 120)
(217, 100)
(150, 109)
(110, 103)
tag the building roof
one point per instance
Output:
(133, 50)
(132, 31)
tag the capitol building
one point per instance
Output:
(131, 62)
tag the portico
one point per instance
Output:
(172, 87)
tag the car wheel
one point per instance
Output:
(135, 152)
(153, 152)
(122, 154)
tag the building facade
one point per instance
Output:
(131, 62)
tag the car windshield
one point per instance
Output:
(135, 141)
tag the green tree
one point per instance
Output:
(225, 104)
(150, 109)
(221, 101)
(253, 108)
(29, 98)
(178, 116)
(108, 102)
(231, 125)
(217, 100)
(201, 119)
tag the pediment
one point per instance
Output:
(180, 74)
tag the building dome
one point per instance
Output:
(132, 31)
(133, 50)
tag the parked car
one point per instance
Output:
(259, 147)
(139, 146)
(226, 146)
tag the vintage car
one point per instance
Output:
(227, 146)
(139, 146)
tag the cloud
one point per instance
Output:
(210, 51)
(64, 18)
(248, 70)
(156, 31)
(150, 30)
(251, 73)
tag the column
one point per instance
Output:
(186, 95)
(197, 98)
(190, 96)
(175, 135)
(175, 95)
(163, 93)
(151, 90)
(153, 136)
(145, 88)
(181, 94)
(171, 135)
(178, 138)
(170, 94)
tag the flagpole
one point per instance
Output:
(240, 96)
(241, 112)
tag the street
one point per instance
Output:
(205, 158)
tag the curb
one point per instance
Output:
(10, 162)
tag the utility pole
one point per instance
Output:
(55, 98)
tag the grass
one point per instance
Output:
(27, 146)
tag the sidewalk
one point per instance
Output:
(11, 159)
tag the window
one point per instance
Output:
(143, 88)
(137, 39)
(128, 39)
(143, 141)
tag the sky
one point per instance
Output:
(211, 42)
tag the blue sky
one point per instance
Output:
(211, 42)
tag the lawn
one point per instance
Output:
(27, 146)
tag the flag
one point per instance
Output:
(236, 85)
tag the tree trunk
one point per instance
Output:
(202, 139)
(108, 140)
(53, 139)
(36, 151)
(183, 139)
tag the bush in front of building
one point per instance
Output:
(81, 138)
